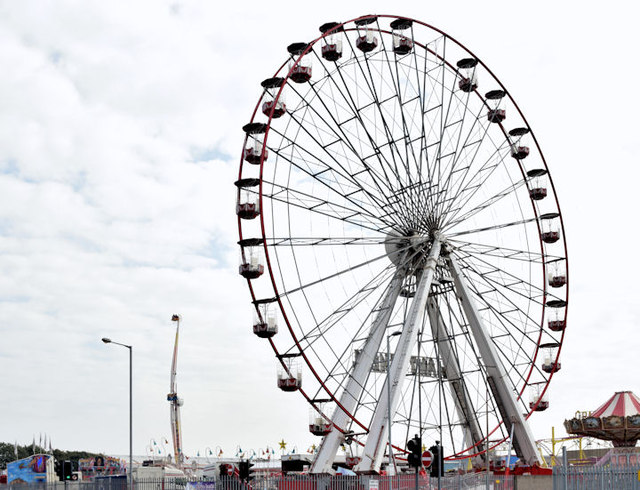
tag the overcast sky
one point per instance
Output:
(120, 138)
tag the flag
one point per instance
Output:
(34, 444)
(198, 454)
(15, 449)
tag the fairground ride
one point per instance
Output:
(403, 244)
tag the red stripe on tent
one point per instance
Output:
(618, 409)
(622, 403)
(603, 408)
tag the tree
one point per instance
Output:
(7, 454)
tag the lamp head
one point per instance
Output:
(175, 318)
(106, 340)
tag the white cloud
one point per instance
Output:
(119, 140)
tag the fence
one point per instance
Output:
(470, 481)
(596, 477)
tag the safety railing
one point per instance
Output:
(596, 477)
(470, 481)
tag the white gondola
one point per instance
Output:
(517, 141)
(468, 74)
(550, 359)
(495, 102)
(557, 274)
(273, 105)
(300, 66)
(265, 320)
(254, 151)
(402, 42)
(550, 227)
(367, 40)
(289, 375)
(537, 181)
(332, 47)
(251, 259)
(319, 424)
(539, 398)
(556, 315)
(248, 206)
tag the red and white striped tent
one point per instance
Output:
(617, 420)
(622, 404)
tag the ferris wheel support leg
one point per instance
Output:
(376, 439)
(459, 392)
(497, 378)
(357, 378)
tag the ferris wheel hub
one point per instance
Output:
(411, 248)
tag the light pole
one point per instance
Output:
(392, 462)
(130, 471)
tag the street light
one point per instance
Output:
(392, 462)
(130, 471)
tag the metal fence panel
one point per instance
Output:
(470, 481)
(596, 477)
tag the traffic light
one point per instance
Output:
(58, 469)
(437, 465)
(415, 452)
(244, 470)
(64, 470)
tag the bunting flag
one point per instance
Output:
(220, 453)
(198, 454)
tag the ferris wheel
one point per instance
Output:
(403, 244)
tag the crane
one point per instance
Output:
(175, 402)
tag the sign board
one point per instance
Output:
(427, 458)
(373, 484)
(34, 469)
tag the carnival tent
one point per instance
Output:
(617, 420)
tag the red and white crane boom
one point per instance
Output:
(175, 402)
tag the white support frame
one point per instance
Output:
(377, 436)
(498, 380)
(459, 392)
(357, 378)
